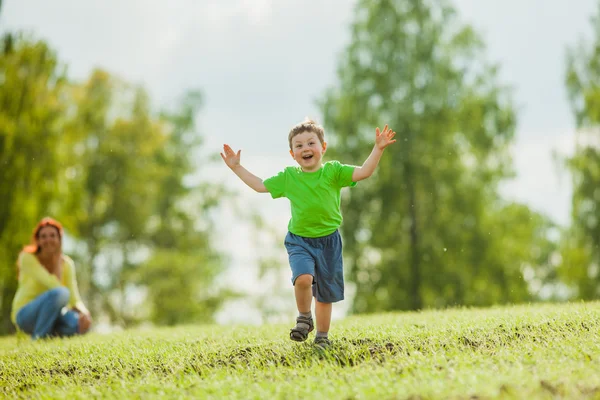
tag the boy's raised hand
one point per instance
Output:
(231, 158)
(384, 138)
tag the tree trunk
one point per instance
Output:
(8, 293)
(414, 289)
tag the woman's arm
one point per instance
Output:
(85, 318)
(75, 301)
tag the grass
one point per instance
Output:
(520, 352)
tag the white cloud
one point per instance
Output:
(257, 10)
(542, 182)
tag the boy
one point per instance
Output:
(313, 242)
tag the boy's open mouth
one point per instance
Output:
(308, 156)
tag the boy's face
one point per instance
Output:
(308, 151)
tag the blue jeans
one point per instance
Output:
(46, 315)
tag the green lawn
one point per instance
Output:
(521, 352)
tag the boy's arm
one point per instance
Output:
(250, 179)
(382, 140)
(232, 160)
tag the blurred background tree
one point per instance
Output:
(429, 229)
(181, 229)
(119, 176)
(32, 116)
(580, 267)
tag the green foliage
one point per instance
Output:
(134, 167)
(524, 352)
(182, 248)
(114, 138)
(427, 229)
(32, 115)
(186, 295)
(580, 248)
(118, 175)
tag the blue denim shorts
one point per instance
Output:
(322, 258)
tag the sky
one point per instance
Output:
(262, 64)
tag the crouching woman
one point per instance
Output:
(47, 302)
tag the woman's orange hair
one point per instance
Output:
(33, 247)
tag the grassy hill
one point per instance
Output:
(520, 352)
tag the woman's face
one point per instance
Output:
(48, 240)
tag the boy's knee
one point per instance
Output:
(60, 296)
(304, 281)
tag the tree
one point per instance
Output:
(421, 232)
(118, 175)
(580, 246)
(180, 232)
(111, 140)
(31, 120)
(145, 222)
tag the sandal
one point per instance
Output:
(322, 342)
(300, 334)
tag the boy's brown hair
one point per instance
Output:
(308, 125)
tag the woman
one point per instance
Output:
(47, 302)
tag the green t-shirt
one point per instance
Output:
(314, 197)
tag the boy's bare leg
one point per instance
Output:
(304, 322)
(323, 314)
(303, 292)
